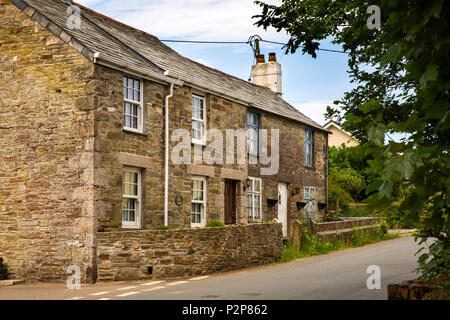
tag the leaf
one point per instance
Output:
(429, 75)
(369, 106)
(376, 134)
(392, 54)
(386, 189)
(419, 26)
(444, 118)
(437, 7)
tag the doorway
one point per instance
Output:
(230, 202)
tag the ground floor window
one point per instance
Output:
(198, 202)
(310, 199)
(254, 199)
(131, 199)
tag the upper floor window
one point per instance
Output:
(309, 140)
(132, 105)
(198, 119)
(131, 199)
(198, 202)
(254, 199)
(253, 127)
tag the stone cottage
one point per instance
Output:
(89, 108)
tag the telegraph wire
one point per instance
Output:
(240, 42)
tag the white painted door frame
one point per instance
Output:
(282, 206)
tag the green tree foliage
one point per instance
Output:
(401, 74)
(349, 167)
(350, 180)
(335, 190)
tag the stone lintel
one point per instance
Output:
(289, 178)
(233, 174)
(200, 170)
(128, 159)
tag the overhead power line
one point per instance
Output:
(329, 50)
(240, 42)
(209, 42)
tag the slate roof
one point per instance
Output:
(124, 46)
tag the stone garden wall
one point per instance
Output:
(344, 229)
(144, 254)
(348, 223)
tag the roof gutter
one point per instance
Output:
(154, 76)
(249, 104)
(166, 79)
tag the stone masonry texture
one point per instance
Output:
(46, 158)
(127, 255)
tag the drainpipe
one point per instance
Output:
(326, 174)
(166, 172)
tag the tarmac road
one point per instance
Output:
(338, 275)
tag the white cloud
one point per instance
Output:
(218, 20)
(314, 110)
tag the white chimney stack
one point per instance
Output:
(267, 74)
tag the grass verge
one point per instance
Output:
(313, 245)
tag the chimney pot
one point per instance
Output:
(272, 56)
(260, 58)
(267, 74)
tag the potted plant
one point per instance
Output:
(3, 270)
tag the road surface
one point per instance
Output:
(338, 275)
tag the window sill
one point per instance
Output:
(125, 228)
(135, 132)
(310, 167)
(197, 226)
(198, 143)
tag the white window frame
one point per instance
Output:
(201, 141)
(138, 211)
(255, 127)
(202, 202)
(251, 193)
(310, 207)
(139, 104)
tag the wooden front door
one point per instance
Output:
(230, 202)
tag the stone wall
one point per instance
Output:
(343, 230)
(46, 152)
(128, 255)
(417, 290)
(347, 223)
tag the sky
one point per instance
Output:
(308, 84)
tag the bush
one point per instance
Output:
(350, 180)
(162, 227)
(435, 261)
(214, 224)
(356, 210)
(397, 219)
(336, 191)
